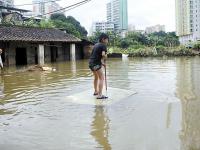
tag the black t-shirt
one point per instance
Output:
(96, 55)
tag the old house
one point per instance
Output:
(28, 45)
(11, 15)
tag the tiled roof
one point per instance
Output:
(31, 34)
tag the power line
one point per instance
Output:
(74, 7)
(66, 8)
(36, 3)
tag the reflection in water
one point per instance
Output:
(2, 111)
(1, 87)
(119, 70)
(73, 68)
(169, 112)
(100, 128)
(188, 90)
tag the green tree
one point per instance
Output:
(83, 32)
(46, 24)
(61, 21)
(31, 23)
(114, 39)
(137, 37)
(69, 28)
(196, 46)
(163, 39)
(58, 16)
(95, 37)
(125, 43)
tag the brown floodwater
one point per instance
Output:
(164, 114)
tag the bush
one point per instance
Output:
(114, 50)
(142, 51)
(196, 46)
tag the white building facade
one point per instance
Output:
(103, 27)
(188, 20)
(45, 7)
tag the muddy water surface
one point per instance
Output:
(164, 115)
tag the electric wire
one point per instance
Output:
(66, 8)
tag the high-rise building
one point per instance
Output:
(156, 28)
(7, 3)
(117, 12)
(109, 18)
(41, 7)
(188, 20)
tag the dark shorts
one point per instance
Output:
(94, 67)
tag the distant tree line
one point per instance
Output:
(137, 40)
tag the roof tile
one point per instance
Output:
(31, 34)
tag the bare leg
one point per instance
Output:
(95, 82)
(101, 81)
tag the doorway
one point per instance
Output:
(36, 56)
(21, 56)
(3, 56)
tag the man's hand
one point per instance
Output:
(1, 51)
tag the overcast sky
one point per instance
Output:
(142, 13)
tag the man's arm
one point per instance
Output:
(104, 57)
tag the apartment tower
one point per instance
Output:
(188, 20)
(117, 12)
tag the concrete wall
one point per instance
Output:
(87, 50)
(60, 50)
(10, 52)
(63, 51)
(47, 54)
(66, 48)
(31, 54)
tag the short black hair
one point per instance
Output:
(103, 36)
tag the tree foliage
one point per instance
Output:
(138, 40)
(95, 38)
(58, 16)
(46, 24)
(162, 38)
(69, 23)
(196, 46)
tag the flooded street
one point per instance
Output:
(164, 114)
